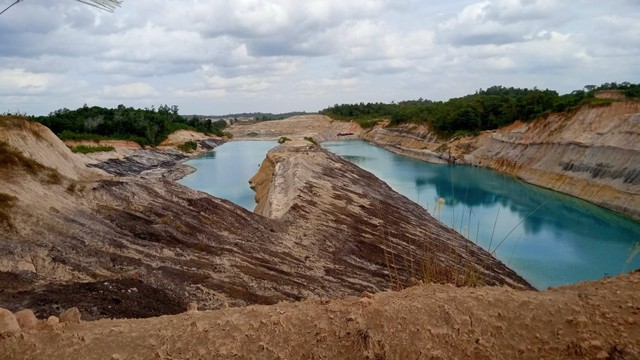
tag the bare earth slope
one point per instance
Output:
(102, 243)
(319, 127)
(597, 320)
(592, 153)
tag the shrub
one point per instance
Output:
(86, 149)
(228, 135)
(311, 140)
(188, 147)
(283, 140)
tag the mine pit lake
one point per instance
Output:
(547, 237)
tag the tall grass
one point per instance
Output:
(87, 149)
(442, 263)
(12, 159)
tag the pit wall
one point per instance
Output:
(592, 153)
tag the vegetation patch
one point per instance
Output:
(87, 149)
(487, 109)
(283, 140)
(253, 134)
(143, 126)
(188, 147)
(12, 159)
(311, 140)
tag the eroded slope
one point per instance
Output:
(186, 246)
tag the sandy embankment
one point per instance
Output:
(597, 320)
(320, 127)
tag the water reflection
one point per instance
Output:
(547, 237)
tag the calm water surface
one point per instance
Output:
(548, 238)
(225, 172)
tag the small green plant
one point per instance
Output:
(188, 147)
(368, 123)
(228, 135)
(253, 134)
(88, 149)
(311, 140)
(283, 140)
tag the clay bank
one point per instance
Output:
(592, 152)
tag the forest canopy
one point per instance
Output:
(485, 110)
(144, 126)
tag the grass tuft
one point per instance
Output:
(188, 147)
(12, 159)
(311, 140)
(88, 149)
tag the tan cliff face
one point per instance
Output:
(592, 153)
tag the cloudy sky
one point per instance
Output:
(228, 56)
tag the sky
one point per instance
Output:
(232, 56)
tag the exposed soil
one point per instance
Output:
(344, 232)
(318, 127)
(597, 320)
(117, 298)
(134, 247)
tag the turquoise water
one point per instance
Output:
(225, 172)
(549, 238)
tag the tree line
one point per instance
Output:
(485, 110)
(144, 126)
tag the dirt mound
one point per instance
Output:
(597, 320)
(37, 142)
(319, 127)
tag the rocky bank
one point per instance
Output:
(592, 152)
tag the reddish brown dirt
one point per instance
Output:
(598, 320)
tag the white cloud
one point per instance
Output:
(129, 91)
(18, 81)
(280, 55)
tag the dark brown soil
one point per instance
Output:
(123, 298)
